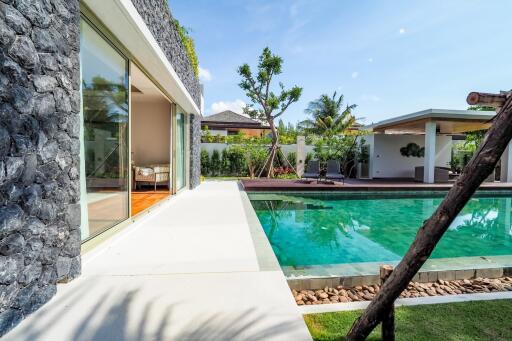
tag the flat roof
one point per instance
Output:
(450, 121)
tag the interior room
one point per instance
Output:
(151, 136)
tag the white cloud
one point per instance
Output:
(235, 106)
(355, 74)
(370, 98)
(401, 30)
(370, 60)
(205, 74)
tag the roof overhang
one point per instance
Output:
(121, 18)
(448, 122)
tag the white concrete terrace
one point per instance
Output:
(196, 268)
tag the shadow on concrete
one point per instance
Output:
(114, 315)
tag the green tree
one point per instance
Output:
(269, 105)
(327, 116)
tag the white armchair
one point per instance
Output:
(154, 174)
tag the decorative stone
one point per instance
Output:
(8, 319)
(43, 40)
(35, 12)
(7, 35)
(48, 62)
(44, 83)
(12, 244)
(63, 267)
(11, 219)
(5, 142)
(23, 100)
(8, 270)
(30, 273)
(62, 101)
(24, 52)
(15, 19)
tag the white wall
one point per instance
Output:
(219, 132)
(286, 148)
(387, 162)
(151, 131)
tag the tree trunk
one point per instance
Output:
(477, 170)
(273, 148)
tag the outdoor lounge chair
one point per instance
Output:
(312, 170)
(333, 171)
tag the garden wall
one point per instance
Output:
(39, 153)
(286, 148)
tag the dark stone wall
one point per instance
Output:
(158, 18)
(195, 151)
(39, 153)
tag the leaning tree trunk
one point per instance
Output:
(477, 170)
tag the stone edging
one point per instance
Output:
(342, 294)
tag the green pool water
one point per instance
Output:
(319, 229)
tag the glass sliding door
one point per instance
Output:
(180, 149)
(104, 77)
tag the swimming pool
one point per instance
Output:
(314, 229)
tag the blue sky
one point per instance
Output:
(388, 57)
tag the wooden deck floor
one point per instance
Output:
(144, 199)
(255, 185)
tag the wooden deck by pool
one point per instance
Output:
(263, 185)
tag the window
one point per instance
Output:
(104, 80)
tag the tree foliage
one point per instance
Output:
(327, 116)
(267, 105)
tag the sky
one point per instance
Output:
(389, 58)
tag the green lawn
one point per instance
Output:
(484, 320)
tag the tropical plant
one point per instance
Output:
(205, 162)
(188, 44)
(327, 116)
(215, 163)
(225, 162)
(269, 104)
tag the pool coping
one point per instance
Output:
(267, 260)
(252, 186)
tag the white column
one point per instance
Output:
(301, 155)
(430, 153)
(506, 165)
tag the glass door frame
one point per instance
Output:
(89, 19)
(87, 15)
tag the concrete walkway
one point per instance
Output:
(187, 271)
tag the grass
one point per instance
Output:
(483, 320)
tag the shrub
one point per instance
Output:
(237, 163)
(225, 162)
(292, 159)
(205, 162)
(215, 163)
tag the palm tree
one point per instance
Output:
(327, 117)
